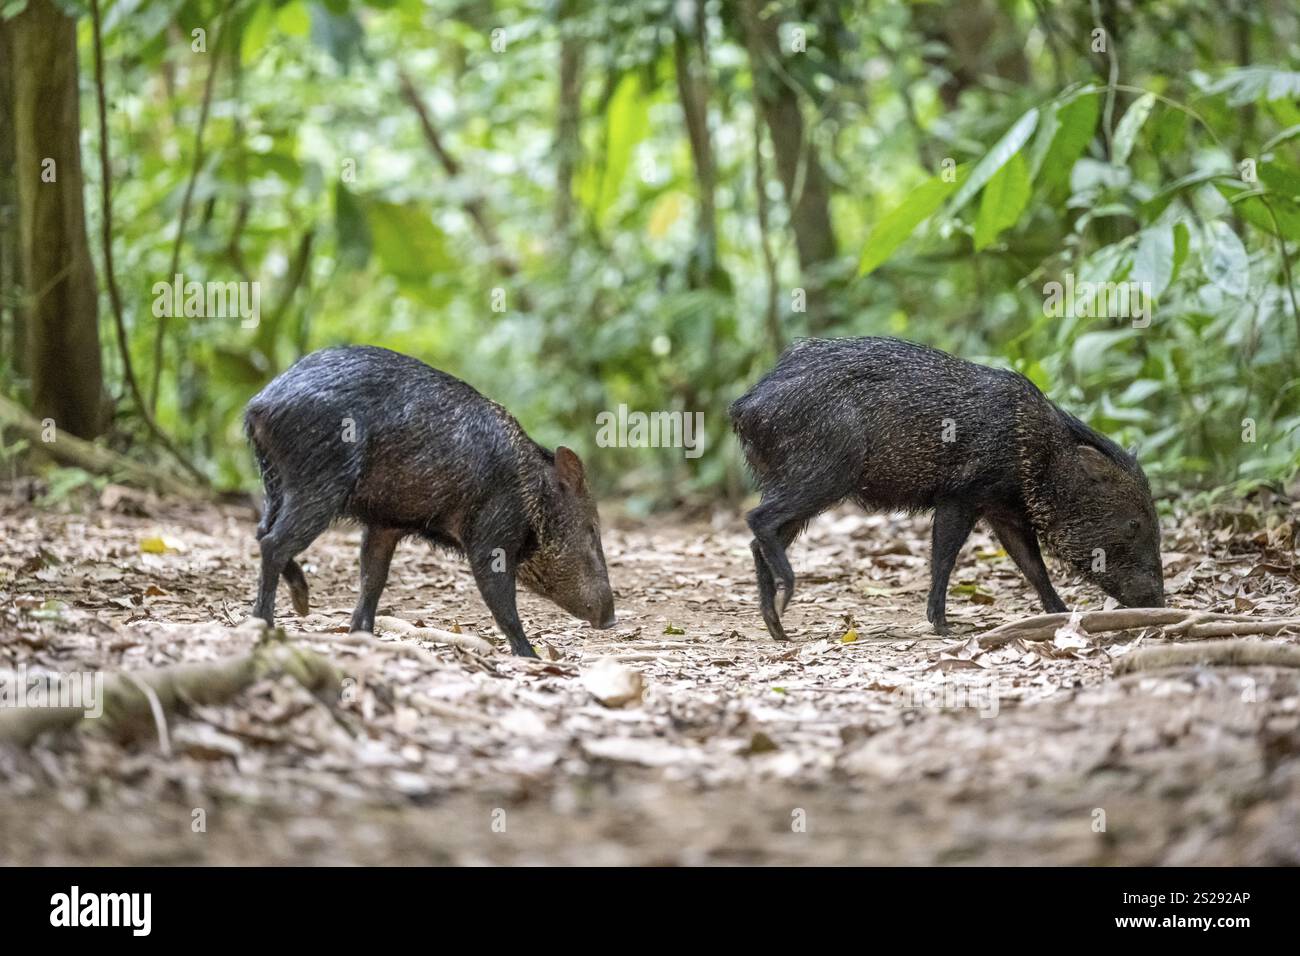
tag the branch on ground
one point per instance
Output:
(435, 635)
(1209, 654)
(135, 704)
(1192, 625)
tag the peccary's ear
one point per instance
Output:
(568, 468)
(1094, 464)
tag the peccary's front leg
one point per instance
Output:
(1021, 543)
(498, 590)
(377, 546)
(492, 545)
(952, 526)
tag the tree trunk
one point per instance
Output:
(13, 336)
(568, 124)
(694, 91)
(62, 353)
(807, 190)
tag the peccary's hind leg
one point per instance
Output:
(274, 499)
(767, 593)
(767, 586)
(952, 526)
(776, 522)
(1021, 543)
(377, 546)
(295, 526)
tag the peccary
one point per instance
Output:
(381, 438)
(897, 426)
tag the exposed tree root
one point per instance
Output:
(74, 451)
(1210, 654)
(436, 635)
(134, 705)
(1192, 625)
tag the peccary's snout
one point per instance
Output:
(606, 618)
(1144, 594)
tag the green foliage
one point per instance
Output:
(961, 185)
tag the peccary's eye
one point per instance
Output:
(1134, 524)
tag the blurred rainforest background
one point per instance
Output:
(575, 205)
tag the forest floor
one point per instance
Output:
(865, 739)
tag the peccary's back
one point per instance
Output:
(891, 423)
(395, 436)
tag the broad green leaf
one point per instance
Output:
(1153, 262)
(1225, 260)
(1089, 353)
(1170, 132)
(900, 222)
(1126, 131)
(1003, 201)
(627, 122)
(406, 240)
(1076, 121)
(1271, 213)
(294, 19)
(256, 31)
(1281, 178)
(995, 159)
(1157, 204)
(1140, 390)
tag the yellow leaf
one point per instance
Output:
(850, 636)
(160, 545)
(667, 210)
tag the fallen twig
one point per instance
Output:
(1209, 654)
(1189, 624)
(471, 642)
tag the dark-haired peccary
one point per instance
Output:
(898, 426)
(367, 434)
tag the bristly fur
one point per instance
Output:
(902, 427)
(381, 438)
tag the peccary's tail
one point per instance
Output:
(292, 574)
(297, 582)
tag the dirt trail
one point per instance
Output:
(894, 746)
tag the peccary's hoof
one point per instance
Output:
(941, 628)
(775, 628)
